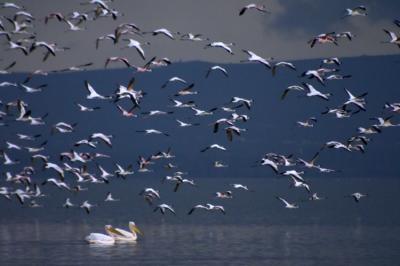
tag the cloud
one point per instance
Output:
(282, 34)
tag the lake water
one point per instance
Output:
(256, 230)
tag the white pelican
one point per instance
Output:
(100, 239)
(123, 235)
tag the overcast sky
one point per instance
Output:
(282, 34)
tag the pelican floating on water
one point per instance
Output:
(114, 234)
(123, 235)
(100, 239)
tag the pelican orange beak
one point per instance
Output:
(135, 229)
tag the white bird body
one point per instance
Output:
(123, 235)
(225, 46)
(393, 38)
(287, 204)
(240, 186)
(164, 32)
(87, 206)
(208, 207)
(313, 92)
(109, 197)
(93, 94)
(138, 46)
(163, 207)
(357, 11)
(60, 184)
(217, 68)
(105, 138)
(255, 58)
(214, 146)
(68, 203)
(261, 8)
(357, 196)
(100, 239)
(358, 101)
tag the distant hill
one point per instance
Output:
(271, 128)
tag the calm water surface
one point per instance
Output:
(255, 231)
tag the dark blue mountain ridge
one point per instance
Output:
(272, 126)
